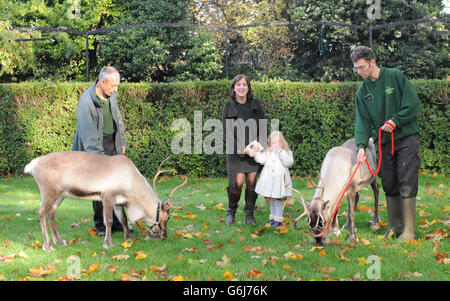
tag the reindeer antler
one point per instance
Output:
(160, 172)
(306, 211)
(321, 180)
(173, 191)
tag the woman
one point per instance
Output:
(240, 119)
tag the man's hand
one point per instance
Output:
(389, 126)
(361, 155)
(123, 150)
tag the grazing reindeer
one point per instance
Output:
(337, 168)
(114, 180)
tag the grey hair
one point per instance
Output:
(362, 52)
(106, 73)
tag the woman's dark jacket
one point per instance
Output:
(230, 115)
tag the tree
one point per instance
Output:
(323, 52)
(160, 53)
(57, 55)
(263, 51)
(15, 57)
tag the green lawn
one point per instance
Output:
(201, 247)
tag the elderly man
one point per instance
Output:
(387, 100)
(100, 128)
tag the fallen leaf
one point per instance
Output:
(127, 244)
(283, 230)
(362, 208)
(189, 250)
(120, 257)
(286, 267)
(225, 261)
(422, 213)
(92, 232)
(211, 247)
(362, 261)
(155, 268)
(254, 273)
(179, 232)
(322, 253)
(365, 241)
(140, 255)
(178, 278)
(228, 275)
(220, 207)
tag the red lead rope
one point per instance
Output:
(356, 169)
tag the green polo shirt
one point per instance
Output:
(108, 123)
(391, 96)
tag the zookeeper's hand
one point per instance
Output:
(123, 150)
(361, 155)
(389, 126)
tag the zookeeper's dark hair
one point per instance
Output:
(235, 80)
(362, 52)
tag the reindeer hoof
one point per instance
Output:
(374, 224)
(61, 243)
(105, 246)
(351, 238)
(48, 248)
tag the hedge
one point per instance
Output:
(37, 118)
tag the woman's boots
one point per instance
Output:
(233, 199)
(234, 194)
(250, 201)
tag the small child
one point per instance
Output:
(277, 157)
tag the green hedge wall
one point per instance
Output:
(37, 118)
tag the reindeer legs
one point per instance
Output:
(50, 202)
(352, 196)
(123, 221)
(51, 217)
(43, 211)
(108, 207)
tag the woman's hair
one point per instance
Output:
(235, 80)
(362, 52)
(277, 135)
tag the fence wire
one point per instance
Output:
(226, 30)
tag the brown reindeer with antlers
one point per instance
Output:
(114, 180)
(337, 167)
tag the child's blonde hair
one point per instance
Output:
(277, 135)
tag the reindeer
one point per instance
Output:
(113, 180)
(337, 168)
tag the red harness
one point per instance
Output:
(357, 166)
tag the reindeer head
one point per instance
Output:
(319, 218)
(318, 212)
(159, 228)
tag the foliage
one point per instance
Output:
(256, 51)
(15, 57)
(39, 118)
(304, 52)
(160, 53)
(413, 48)
(58, 55)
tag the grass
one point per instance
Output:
(201, 247)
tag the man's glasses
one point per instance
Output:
(360, 68)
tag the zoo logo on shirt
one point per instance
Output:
(389, 90)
